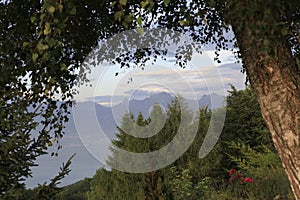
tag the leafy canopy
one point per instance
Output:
(42, 47)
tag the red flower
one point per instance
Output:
(238, 176)
(248, 180)
(232, 171)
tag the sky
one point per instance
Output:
(202, 76)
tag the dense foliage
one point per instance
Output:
(41, 52)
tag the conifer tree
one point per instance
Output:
(243, 124)
(162, 127)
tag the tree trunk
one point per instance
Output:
(275, 79)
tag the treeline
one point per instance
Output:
(243, 164)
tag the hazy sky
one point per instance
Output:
(201, 76)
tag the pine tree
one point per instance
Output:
(244, 124)
(161, 127)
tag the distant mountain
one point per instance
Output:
(84, 164)
(144, 106)
(212, 101)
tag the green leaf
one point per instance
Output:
(184, 22)
(47, 29)
(139, 21)
(42, 16)
(46, 56)
(125, 24)
(42, 47)
(123, 2)
(56, 21)
(32, 19)
(58, 31)
(128, 18)
(73, 11)
(118, 15)
(166, 2)
(52, 80)
(50, 41)
(25, 44)
(144, 4)
(140, 31)
(151, 5)
(63, 67)
(51, 9)
(34, 57)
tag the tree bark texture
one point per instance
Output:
(275, 79)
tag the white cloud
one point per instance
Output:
(203, 75)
